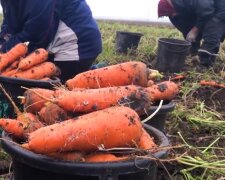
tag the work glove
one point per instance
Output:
(192, 35)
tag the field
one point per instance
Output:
(196, 127)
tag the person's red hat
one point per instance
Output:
(165, 8)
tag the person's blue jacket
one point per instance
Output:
(37, 21)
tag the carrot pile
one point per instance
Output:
(17, 63)
(99, 110)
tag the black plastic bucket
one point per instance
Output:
(30, 166)
(13, 87)
(126, 41)
(158, 121)
(172, 54)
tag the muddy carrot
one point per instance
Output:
(121, 74)
(108, 128)
(89, 100)
(40, 71)
(12, 55)
(17, 128)
(165, 90)
(35, 98)
(146, 141)
(38, 56)
(52, 113)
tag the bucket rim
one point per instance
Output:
(54, 165)
(22, 81)
(131, 33)
(183, 42)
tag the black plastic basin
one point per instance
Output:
(158, 121)
(13, 88)
(30, 166)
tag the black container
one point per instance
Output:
(30, 166)
(13, 88)
(127, 41)
(171, 54)
(158, 121)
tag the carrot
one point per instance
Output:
(13, 127)
(28, 119)
(146, 141)
(178, 77)
(67, 156)
(52, 113)
(138, 98)
(111, 127)
(102, 157)
(19, 129)
(12, 55)
(45, 79)
(88, 100)
(33, 99)
(165, 90)
(38, 56)
(40, 71)
(12, 67)
(121, 74)
(9, 72)
(211, 83)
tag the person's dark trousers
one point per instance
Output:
(212, 36)
(71, 68)
(184, 25)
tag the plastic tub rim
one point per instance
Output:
(183, 42)
(130, 33)
(93, 168)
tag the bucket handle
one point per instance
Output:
(182, 51)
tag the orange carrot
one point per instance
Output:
(108, 128)
(102, 157)
(40, 71)
(19, 129)
(9, 72)
(52, 113)
(25, 122)
(67, 156)
(146, 141)
(33, 99)
(12, 67)
(178, 77)
(121, 74)
(12, 127)
(38, 56)
(138, 98)
(165, 90)
(12, 55)
(88, 100)
(45, 79)
(211, 83)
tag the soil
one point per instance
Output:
(214, 99)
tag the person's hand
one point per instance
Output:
(192, 35)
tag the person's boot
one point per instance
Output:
(206, 58)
